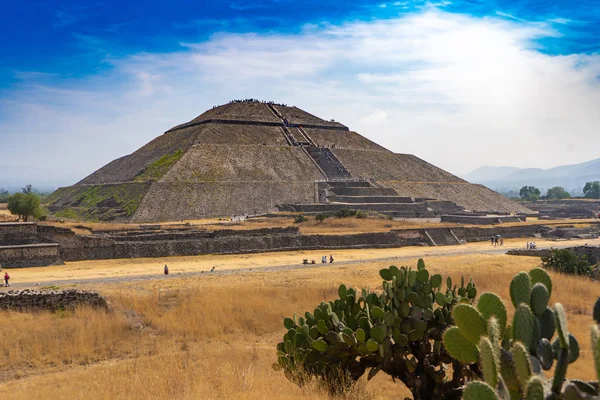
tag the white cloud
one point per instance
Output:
(458, 91)
(374, 118)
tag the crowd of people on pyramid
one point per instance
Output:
(255, 101)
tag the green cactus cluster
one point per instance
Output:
(397, 330)
(512, 357)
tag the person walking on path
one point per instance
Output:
(6, 279)
(330, 258)
(166, 270)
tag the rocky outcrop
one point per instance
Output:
(50, 300)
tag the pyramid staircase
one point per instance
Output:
(442, 237)
(364, 196)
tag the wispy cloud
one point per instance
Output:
(459, 91)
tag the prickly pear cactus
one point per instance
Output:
(397, 330)
(512, 357)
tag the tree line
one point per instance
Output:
(24, 204)
(591, 190)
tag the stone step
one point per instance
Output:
(412, 209)
(370, 199)
(349, 184)
(442, 237)
(328, 162)
(363, 191)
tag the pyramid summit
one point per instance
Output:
(252, 157)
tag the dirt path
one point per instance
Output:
(132, 270)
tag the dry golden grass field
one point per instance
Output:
(5, 215)
(329, 226)
(214, 336)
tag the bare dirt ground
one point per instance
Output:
(122, 270)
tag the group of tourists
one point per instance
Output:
(497, 240)
(531, 246)
(323, 260)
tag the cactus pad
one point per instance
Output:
(460, 348)
(520, 288)
(386, 274)
(573, 349)
(539, 275)
(377, 312)
(422, 275)
(547, 324)
(319, 345)
(561, 325)
(470, 322)
(361, 336)
(522, 365)
(488, 362)
(436, 281)
(478, 390)
(440, 298)
(420, 264)
(342, 291)
(288, 323)
(523, 325)
(534, 389)
(372, 345)
(378, 333)
(489, 305)
(545, 354)
(539, 298)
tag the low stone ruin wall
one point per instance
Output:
(52, 300)
(592, 252)
(482, 219)
(31, 255)
(15, 233)
(230, 245)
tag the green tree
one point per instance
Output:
(24, 205)
(591, 190)
(530, 193)
(321, 217)
(557, 192)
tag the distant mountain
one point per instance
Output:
(571, 177)
(487, 173)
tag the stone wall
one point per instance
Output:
(15, 233)
(33, 300)
(592, 252)
(106, 249)
(482, 219)
(26, 255)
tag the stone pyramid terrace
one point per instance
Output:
(252, 157)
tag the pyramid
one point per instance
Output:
(252, 157)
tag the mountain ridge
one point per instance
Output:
(572, 176)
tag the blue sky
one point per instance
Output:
(83, 82)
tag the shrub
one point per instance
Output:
(361, 215)
(398, 332)
(321, 217)
(345, 213)
(300, 219)
(567, 262)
